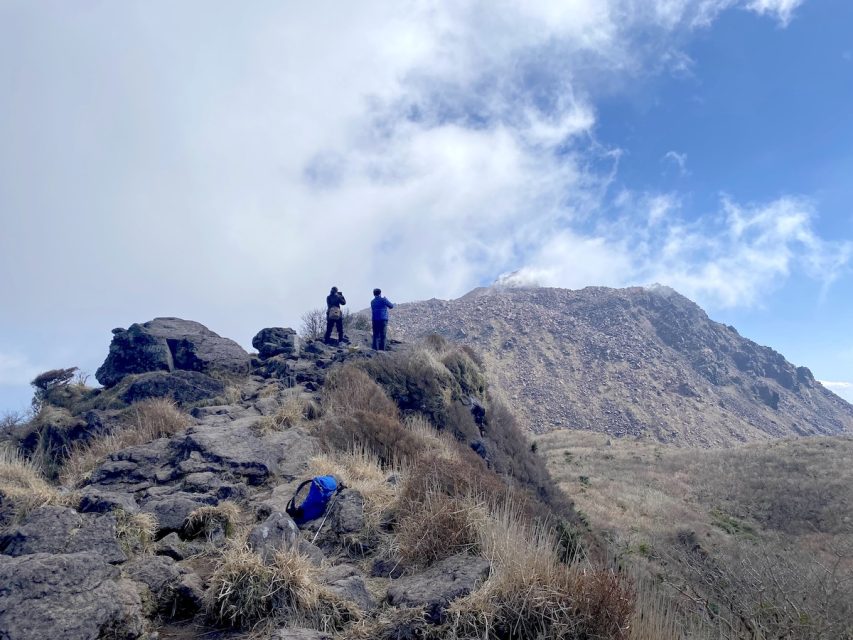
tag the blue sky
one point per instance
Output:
(229, 164)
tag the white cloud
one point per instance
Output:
(678, 159)
(782, 10)
(842, 389)
(229, 163)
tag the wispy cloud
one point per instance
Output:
(679, 160)
(782, 10)
(246, 158)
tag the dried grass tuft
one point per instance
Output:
(246, 593)
(146, 421)
(210, 521)
(135, 531)
(293, 410)
(530, 592)
(25, 488)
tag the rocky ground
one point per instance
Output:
(640, 362)
(80, 567)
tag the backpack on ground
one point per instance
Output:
(320, 492)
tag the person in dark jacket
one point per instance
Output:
(379, 311)
(334, 315)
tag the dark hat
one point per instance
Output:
(377, 292)
(334, 289)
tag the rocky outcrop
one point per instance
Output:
(276, 341)
(61, 530)
(439, 585)
(70, 596)
(184, 387)
(169, 344)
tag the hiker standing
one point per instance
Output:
(334, 315)
(379, 311)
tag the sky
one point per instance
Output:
(230, 162)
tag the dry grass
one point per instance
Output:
(24, 486)
(146, 421)
(362, 471)
(211, 521)
(435, 528)
(135, 531)
(349, 389)
(246, 593)
(381, 436)
(530, 594)
(734, 535)
(293, 410)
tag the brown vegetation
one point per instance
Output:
(349, 389)
(753, 542)
(145, 422)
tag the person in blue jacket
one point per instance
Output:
(379, 311)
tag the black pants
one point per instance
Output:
(380, 330)
(339, 323)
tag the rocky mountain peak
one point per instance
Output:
(638, 361)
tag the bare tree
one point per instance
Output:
(313, 324)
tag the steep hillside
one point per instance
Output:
(630, 362)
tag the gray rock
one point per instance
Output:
(73, 597)
(172, 511)
(347, 514)
(236, 449)
(96, 500)
(169, 344)
(176, 592)
(134, 350)
(189, 596)
(348, 582)
(276, 533)
(172, 546)
(184, 387)
(276, 341)
(63, 530)
(314, 553)
(135, 468)
(267, 406)
(223, 413)
(436, 587)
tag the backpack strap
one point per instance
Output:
(292, 510)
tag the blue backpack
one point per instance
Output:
(319, 494)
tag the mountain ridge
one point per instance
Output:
(638, 361)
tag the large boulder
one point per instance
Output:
(240, 452)
(70, 596)
(439, 585)
(275, 341)
(184, 387)
(277, 533)
(63, 530)
(169, 344)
